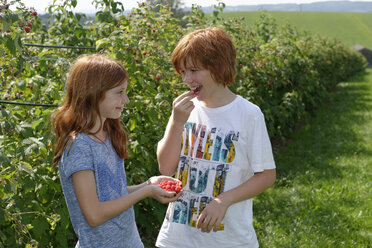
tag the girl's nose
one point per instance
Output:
(125, 99)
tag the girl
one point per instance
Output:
(90, 151)
(217, 144)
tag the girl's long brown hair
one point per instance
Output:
(90, 77)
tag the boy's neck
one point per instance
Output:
(221, 98)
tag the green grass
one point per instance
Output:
(323, 195)
(349, 28)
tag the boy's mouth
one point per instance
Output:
(196, 90)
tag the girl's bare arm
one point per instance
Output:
(96, 212)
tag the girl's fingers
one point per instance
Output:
(170, 197)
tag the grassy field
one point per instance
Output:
(323, 194)
(350, 28)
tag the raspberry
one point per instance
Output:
(172, 186)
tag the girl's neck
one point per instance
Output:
(99, 133)
(100, 136)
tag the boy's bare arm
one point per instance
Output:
(214, 212)
(169, 148)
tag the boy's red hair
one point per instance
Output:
(90, 77)
(211, 49)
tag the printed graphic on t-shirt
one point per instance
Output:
(204, 166)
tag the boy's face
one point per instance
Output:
(199, 80)
(113, 103)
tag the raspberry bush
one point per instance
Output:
(287, 73)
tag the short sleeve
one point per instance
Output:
(260, 153)
(78, 157)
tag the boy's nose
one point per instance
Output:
(186, 78)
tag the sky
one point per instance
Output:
(86, 6)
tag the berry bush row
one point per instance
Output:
(287, 73)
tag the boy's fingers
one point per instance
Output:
(180, 97)
(200, 221)
(207, 224)
(187, 99)
(188, 95)
(216, 225)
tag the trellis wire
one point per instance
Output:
(29, 104)
(47, 59)
(55, 46)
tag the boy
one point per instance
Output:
(217, 144)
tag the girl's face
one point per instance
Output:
(113, 102)
(201, 82)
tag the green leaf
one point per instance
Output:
(25, 167)
(36, 123)
(4, 160)
(33, 140)
(102, 43)
(4, 113)
(10, 44)
(2, 220)
(18, 43)
(132, 124)
(41, 227)
(6, 25)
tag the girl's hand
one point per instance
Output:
(182, 107)
(156, 180)
(212, 215)
(160, 194)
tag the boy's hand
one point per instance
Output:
(212, 216)
(182, 107)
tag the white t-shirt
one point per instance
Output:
(221, 149)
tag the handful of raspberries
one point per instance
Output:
(172, 186)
